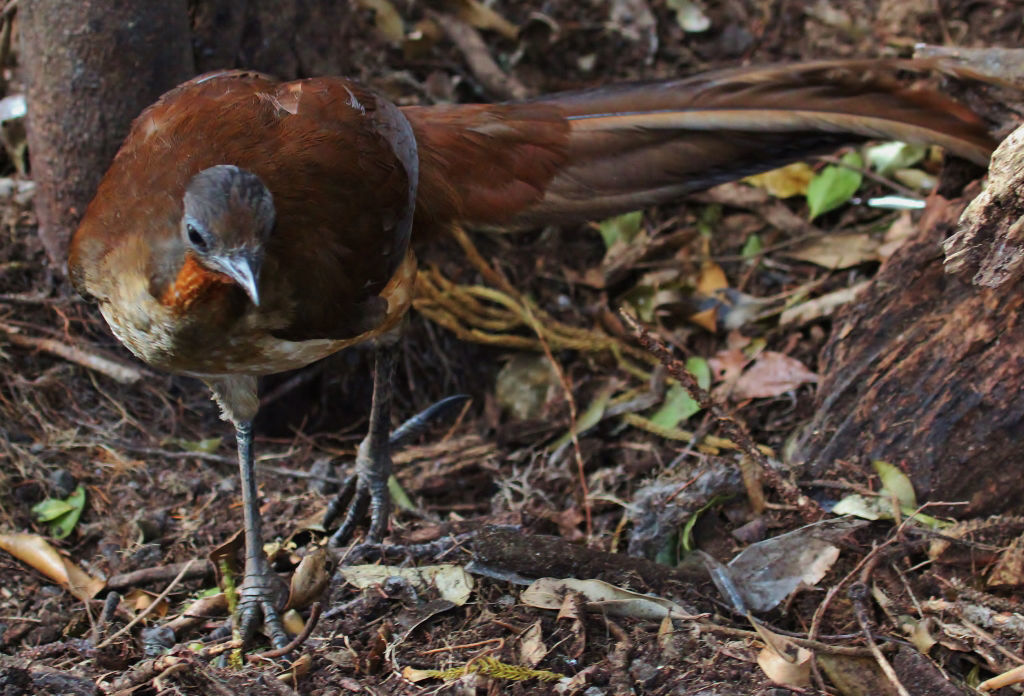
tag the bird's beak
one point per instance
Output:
(245, 270)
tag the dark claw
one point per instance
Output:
(358, 493)
(421, 422)
(259, 598)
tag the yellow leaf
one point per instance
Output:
(791, 180)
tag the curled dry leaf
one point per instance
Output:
(35, 551)
(139, 600)
(838, 251)
(531, 646)
(309, 580)
(549, 593)
(772, 374)
(767, 572)
(299, 668)
(452, 581)
(785, 662)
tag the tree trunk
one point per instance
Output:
(91, 68)
(925, 369)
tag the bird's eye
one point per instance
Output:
(194, 238)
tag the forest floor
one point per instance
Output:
(158, 473)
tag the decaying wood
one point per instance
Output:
(988, 248)
(537, 556)
(925, 369)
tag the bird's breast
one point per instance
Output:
(205, 343)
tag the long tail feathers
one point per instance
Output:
(609, 150)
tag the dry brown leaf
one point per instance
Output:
(785, 662)
(823, 306)
(570, 611)
(1009, 569)
(309, 580)
(856, 676)
(897, 235)
(727, 365)
(293, 622)
(35, 551)
(531, 646)
(772, 374)
(139, 601)
(549, 593)
(836, 251)
(453, 583)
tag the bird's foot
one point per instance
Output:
(261, 594)
(368, 487)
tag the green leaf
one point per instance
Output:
(834, 185)
(61, 515)
(679, 405)
(400, 498)
(708, 219)
(888, 157)
(621, 228)
(752, 247)
(50, 509)
(895, 483)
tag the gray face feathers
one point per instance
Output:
(228, 216)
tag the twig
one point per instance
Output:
(116, 371)
(1014, 676)
(153, 605)
(479, 59)
(464, 646)
(858, 595)
(809, 510)
(314, 616)
(159, 574)
(141, 673)
(573, 420)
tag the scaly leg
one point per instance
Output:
(373, 460)
(260, 588)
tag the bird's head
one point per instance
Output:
(228, 216)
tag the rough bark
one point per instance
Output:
(925, 369)
(91, 68)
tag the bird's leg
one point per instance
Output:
(259, 590)
(373, 460)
